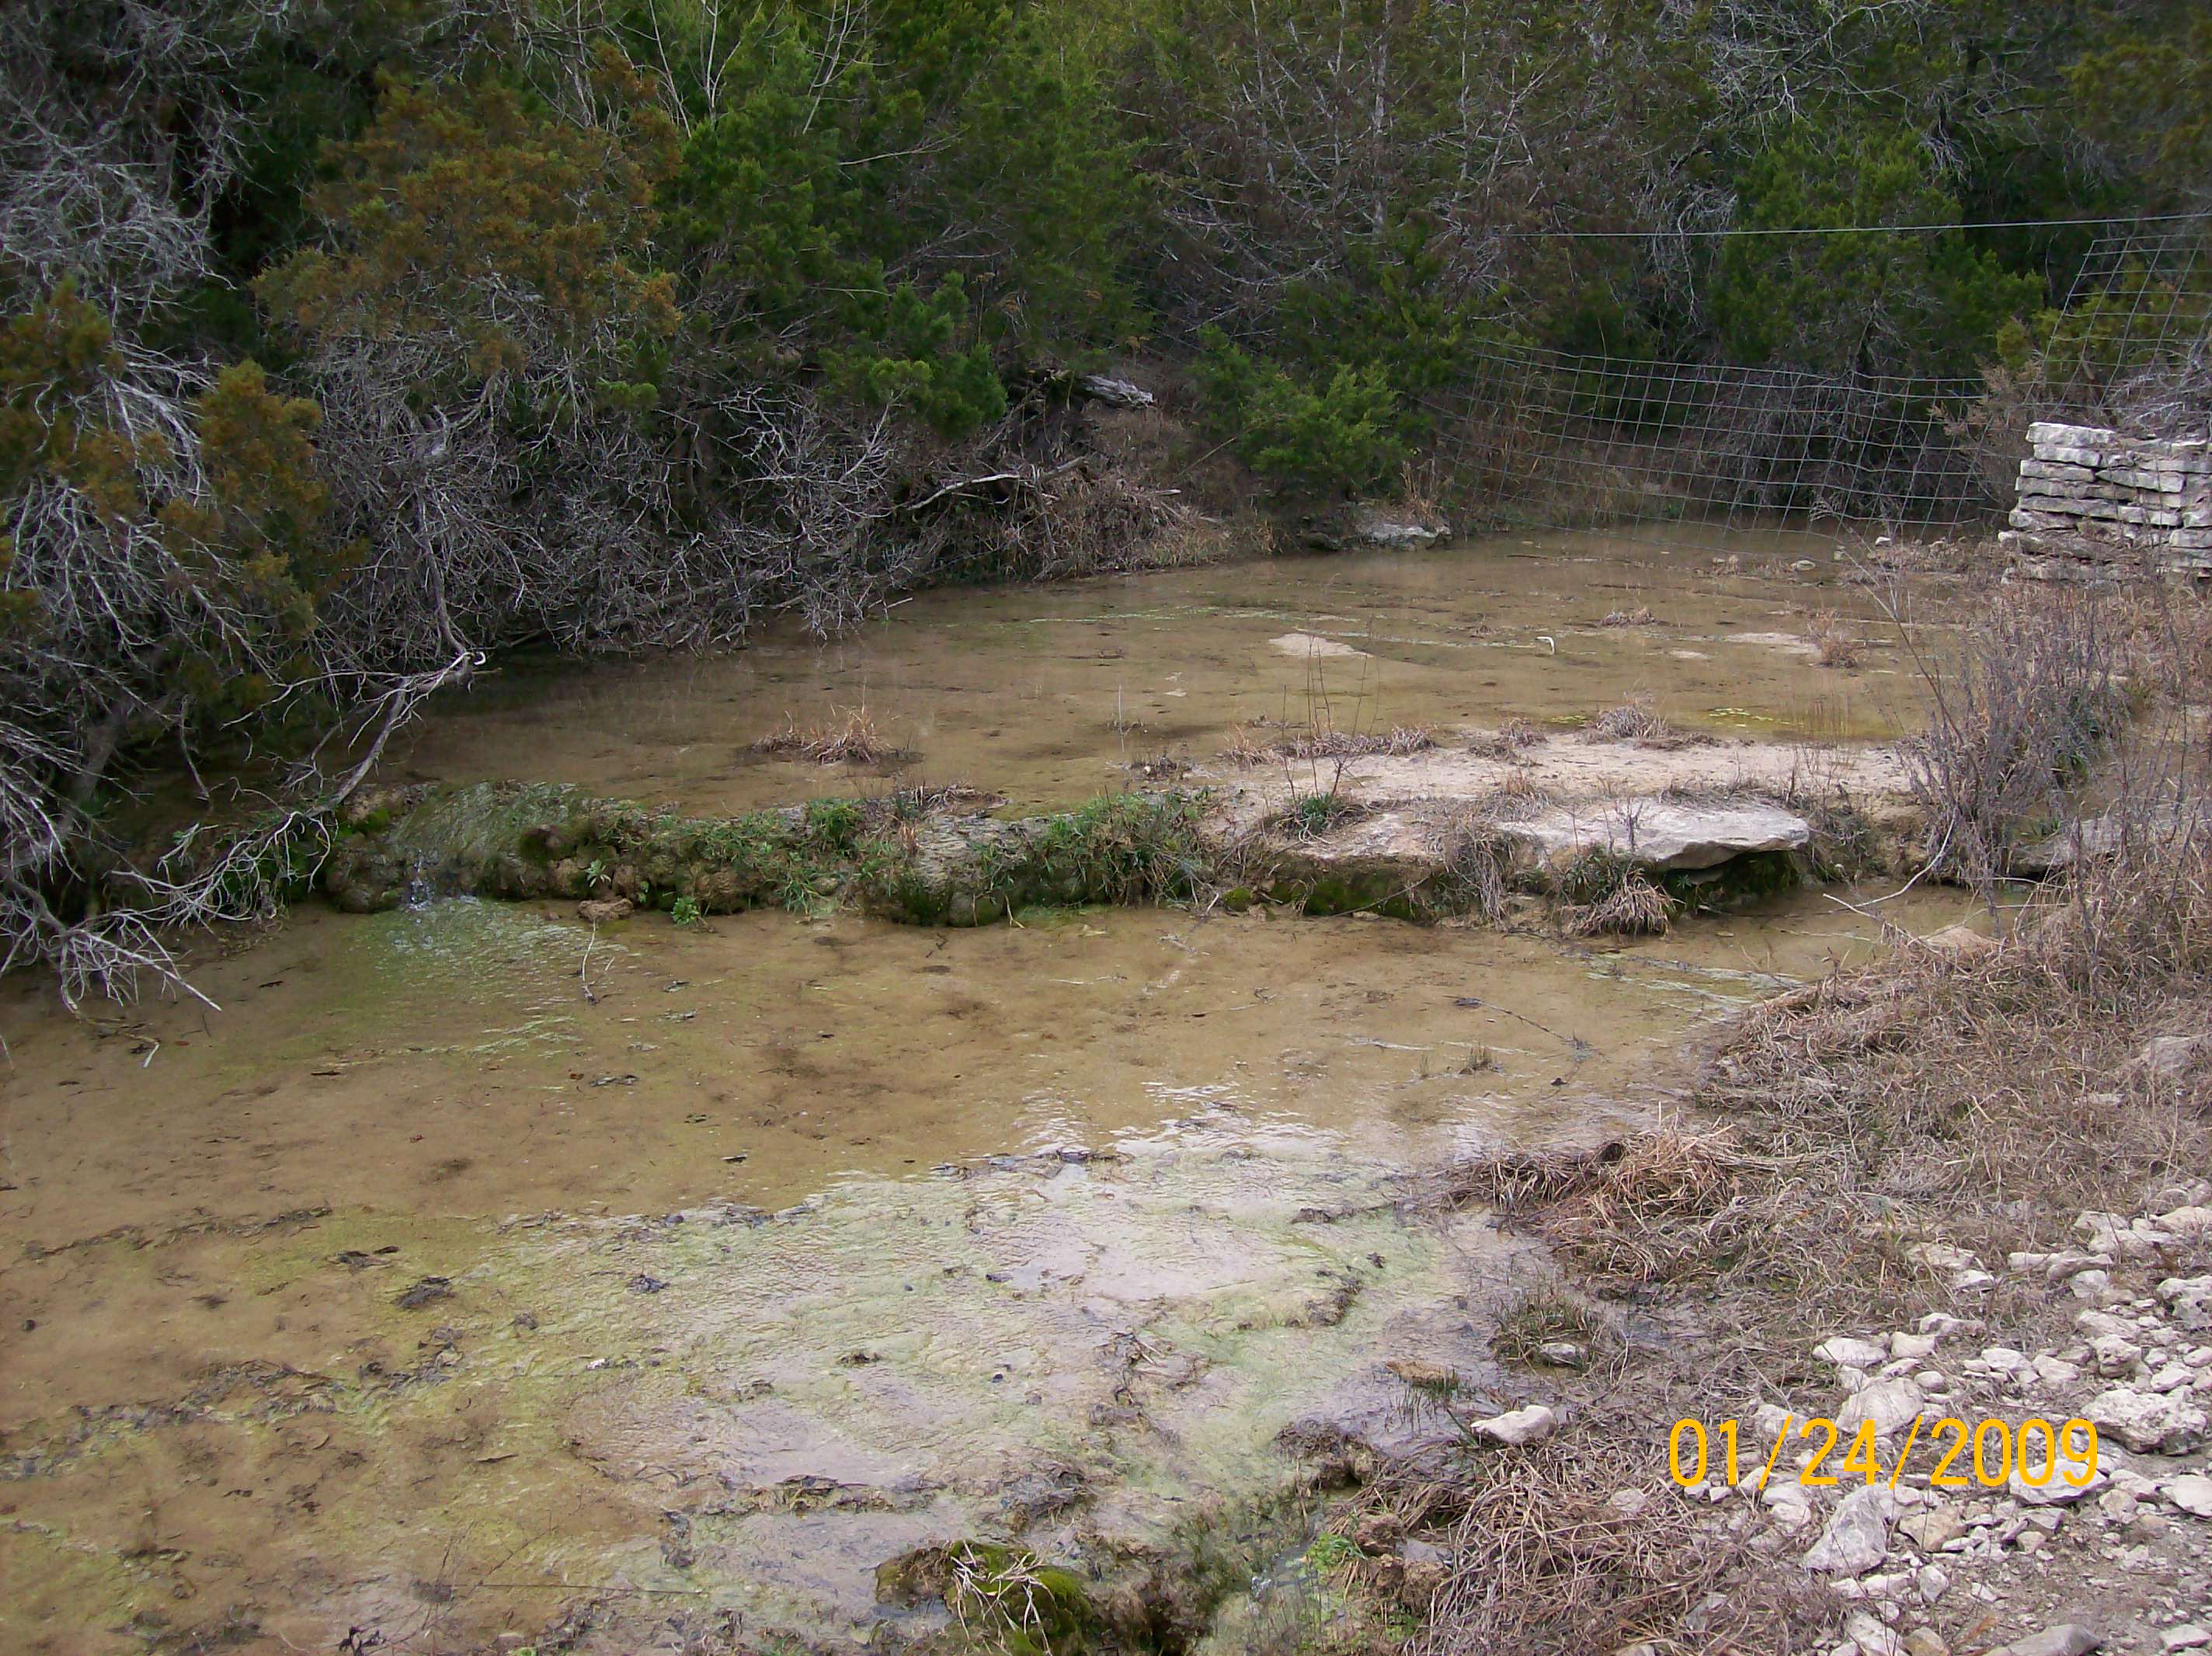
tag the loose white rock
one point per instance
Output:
(1892, 1405)
(2188, 1301)
(1942, 1256)
(2170, 1055)
(2148, 1422)
(1928, 1531)
(1857, 1536)
(2192, 1493)
(1844, 1350)
(2065, 1639)
(1872, 1638)
(2116, 1355)
(2057, 1493)
(1517, 1427)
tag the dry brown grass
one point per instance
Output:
(1478, 860)
(1547, 1562)
(852, 738)
(1548, 1565)
(1634, 907)
(1545, 1316)
(1982, 1098)
(1989, 1097)
(1839, 646)
(1246, 749)
(1509, 741)
(1637, 720)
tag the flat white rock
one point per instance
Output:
(1517, 1427)
(1662, 834)
(2192, 1493)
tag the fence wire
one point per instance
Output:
(1693, 453)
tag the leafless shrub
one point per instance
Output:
(2030, 705)
(1839, 646)
(852, 739)
(1081, 516)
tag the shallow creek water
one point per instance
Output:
(1043, 693)
(469, 1266)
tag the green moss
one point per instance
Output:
(1028, 1607)
(1118, 848)
(1330, 1552)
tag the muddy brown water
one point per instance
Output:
(468, 1268)
(1043, 693)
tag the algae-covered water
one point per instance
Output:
(476, 1273)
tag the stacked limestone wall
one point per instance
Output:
(2092, 497)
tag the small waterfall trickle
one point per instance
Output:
(419, 893)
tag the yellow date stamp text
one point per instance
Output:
(1989, 1452)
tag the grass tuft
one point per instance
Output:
(1638, 720)
(1839, 646)
(853, 739)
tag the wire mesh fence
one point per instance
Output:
(1693, 453)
